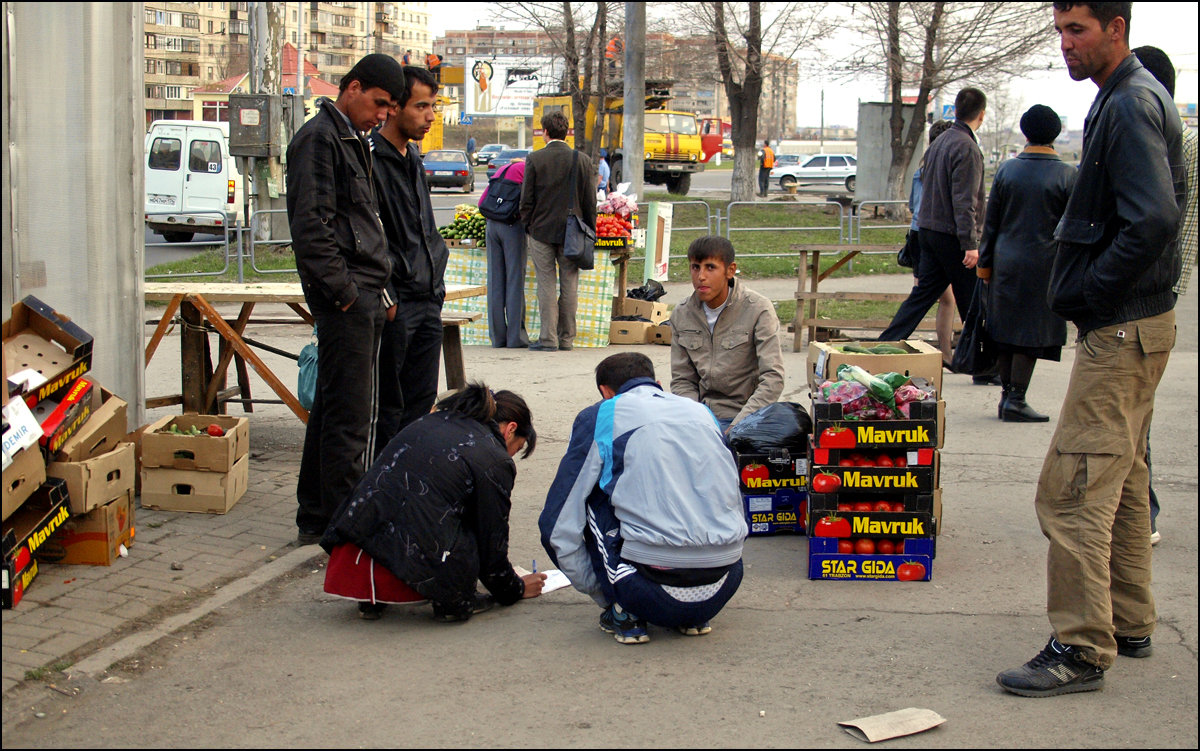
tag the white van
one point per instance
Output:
(192, 183)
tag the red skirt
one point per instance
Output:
(353, 574)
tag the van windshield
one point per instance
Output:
(164, 154)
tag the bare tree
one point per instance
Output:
(744, 40)
(933, 46)
(1003, 117)
(578, 33)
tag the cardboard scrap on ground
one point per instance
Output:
(902, 722)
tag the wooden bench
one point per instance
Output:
(809, 272)
(452, 353)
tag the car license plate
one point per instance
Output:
(443, 174)
(161, 199)
(674, 167)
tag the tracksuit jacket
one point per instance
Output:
(659, 460)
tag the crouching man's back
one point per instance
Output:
(645, 515)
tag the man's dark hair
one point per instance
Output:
(969, 103)
(711, 246)
(1102, 12)
(1156, 61)
(413, 74)
(377, 71)
(511, 407)
(615, 371)
(555, 124)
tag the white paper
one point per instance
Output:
(893, 724)
(555, 579)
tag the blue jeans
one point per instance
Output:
(622, 583)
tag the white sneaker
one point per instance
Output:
(1155, 537)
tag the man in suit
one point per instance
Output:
(547, 196)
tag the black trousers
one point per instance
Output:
(409, 364)
(764, 180)
(341, 425)
(941, 265)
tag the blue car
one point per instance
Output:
(449, 169)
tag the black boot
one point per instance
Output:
(1003, 401)
(1017, 410)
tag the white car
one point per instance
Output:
(820, 169)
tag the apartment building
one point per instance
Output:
(172, 59)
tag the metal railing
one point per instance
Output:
(857, 218)
(228, 231)
(254, 244)
(730, 228)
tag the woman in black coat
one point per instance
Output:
(1016, 253)
(430, 517)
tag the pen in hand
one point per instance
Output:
(535, 565)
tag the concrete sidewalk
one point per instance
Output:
(990, 560)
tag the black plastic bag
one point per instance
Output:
(651, 291)
(782, 425)
(976, 353)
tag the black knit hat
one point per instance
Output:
(377, 70)
(1041, 125)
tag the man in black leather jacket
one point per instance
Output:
(1117, 260)
(342, 259)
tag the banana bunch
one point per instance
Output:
(465, 211)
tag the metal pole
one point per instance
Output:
(633, 124)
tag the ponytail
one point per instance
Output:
(474, 401)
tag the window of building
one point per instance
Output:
(164, 154)
(151, 42)
(210, 72)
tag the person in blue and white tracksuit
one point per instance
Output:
(645, 515)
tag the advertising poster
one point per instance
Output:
(658, 241)
(504, 87)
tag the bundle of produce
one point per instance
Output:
(619, 205)
(468, 224)
(611, 225)
(868, 397)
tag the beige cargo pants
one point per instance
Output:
(1093, 499)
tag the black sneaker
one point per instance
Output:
(371, 611)
(1058, 669)
(308, 538)
(1134, 646)
(479, 603)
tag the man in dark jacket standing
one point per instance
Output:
(342, 260)
(950, 220)
(412, 340)
(1118, 258)
(546, 199)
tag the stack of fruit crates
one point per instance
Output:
(874, 503)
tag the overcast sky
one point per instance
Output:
(1171, 26)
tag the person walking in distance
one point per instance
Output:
(766, 161)
(343, 263)
(546, 199)
(1118, 259)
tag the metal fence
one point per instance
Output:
(230, 232)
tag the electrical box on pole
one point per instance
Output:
(254, 125)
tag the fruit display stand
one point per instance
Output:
(874, 509)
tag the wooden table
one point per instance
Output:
(202, 384)
(806, 300)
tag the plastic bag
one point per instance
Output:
(306, 381)
(782, 425)
(651, 291)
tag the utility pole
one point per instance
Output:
(266, 71)
(633, 123)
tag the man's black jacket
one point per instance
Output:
(1118, 253)
(336, 234)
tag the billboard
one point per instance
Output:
(505, 86)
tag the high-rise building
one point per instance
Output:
(171, 37)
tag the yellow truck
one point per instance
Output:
(671, 141)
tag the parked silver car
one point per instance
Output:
(820, 169)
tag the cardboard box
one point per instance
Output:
(770, 471)
(661, 334)
(914, 564)
(101, 433)
(21, 430)
(827, 503)
(94, 538)
(926, 428)
(856, 481)
(203, 452)
(94, 482)
(24, 533)
(654, 312)
(63, 416)
(913, 457)
(630, 332)
(39, 338)
(194, 490)
(924, 361)
(135, 437)
(781, 511)
(21, 478)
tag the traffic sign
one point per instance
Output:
(289, 90)
(464, 119)
(947, 111)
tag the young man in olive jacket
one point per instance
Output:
(342, 260)
(412, 339)
(725, 348)
(1118, 258)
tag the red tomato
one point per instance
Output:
(898, 506)
(837, 437)
(900, 461)
(826, 483)
(883, 460)
(756, 471)
(863, 506)
(885, 547)
(864, 546)
(910, 572)
(846, 547)
(864, 462)
(882, 506)
(832, 526)
(845, 507)
(900, 547)
(845, 462)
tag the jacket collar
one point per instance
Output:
(340, 121)
(1117, 78)
(633, 383)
